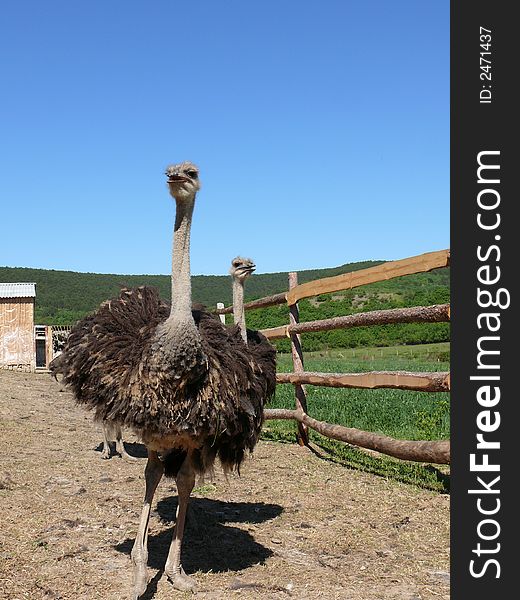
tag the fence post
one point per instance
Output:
(297, 357)
(222, 317)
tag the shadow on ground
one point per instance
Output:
(209, 544)
(133, 448)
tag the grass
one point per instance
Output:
(401, 414)
(205, 489)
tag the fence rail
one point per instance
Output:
(388, 270)
(415, 450)
(420, 451)
(438, 313)
(420, 382)
(260, 303)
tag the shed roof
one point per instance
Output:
(17, 290)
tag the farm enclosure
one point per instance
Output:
(330, 532)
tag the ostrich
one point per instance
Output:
(186, 383)
(241, 269)
(259, 346)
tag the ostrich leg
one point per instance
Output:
(106, 445)
(153, 473)
(185, 482)
(120, 445)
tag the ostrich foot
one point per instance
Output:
(105, 453)
(124, 454)
(140, 580)
(181, 581)
(120, 447)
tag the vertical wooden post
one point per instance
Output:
(48, 346)
(297, 357)
(222, 317)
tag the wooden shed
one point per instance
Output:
(17, 342)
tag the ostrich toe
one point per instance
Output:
(140, 579)
(182, 582)
(127, 456)
(121, 450)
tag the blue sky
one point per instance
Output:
(321, 130)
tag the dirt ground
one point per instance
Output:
(292, 526)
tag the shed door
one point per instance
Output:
(40, 335)
(40, 354)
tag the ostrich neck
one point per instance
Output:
(177, 347)
(181, 275)
(238, 307)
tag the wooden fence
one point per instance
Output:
(422, 451)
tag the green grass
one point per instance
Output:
(401, 414)
(206, 489)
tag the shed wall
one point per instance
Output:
(17, 333)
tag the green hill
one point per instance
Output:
(62, 297)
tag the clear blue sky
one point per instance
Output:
(321, 130)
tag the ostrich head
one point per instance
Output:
(241, 268)
(183, 180)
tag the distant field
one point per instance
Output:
(398, 413)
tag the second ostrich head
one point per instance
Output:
(241, 268)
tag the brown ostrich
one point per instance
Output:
(186, 383)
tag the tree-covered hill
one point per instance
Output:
(62, 297)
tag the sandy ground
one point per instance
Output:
(292, 526)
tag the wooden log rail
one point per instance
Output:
(437, 313)
(404, 380)
(419, 451)
(388, 270)
(260, 303)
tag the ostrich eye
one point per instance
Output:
(192, 174)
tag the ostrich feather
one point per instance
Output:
(216, 401)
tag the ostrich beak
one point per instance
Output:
(249, 269)
(176, 178)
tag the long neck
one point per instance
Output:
(181, 276)
(239, 316)
(177, 347)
